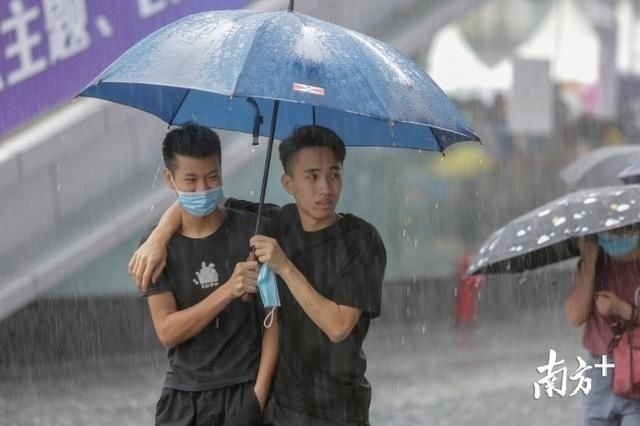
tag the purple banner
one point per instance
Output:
(50, 49)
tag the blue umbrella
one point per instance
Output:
(236, 69)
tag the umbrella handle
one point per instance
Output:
(257, 121)
(267, 163)
(290, 9)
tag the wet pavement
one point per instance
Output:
(422, 374)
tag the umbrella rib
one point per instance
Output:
(262, 24)
(437, 140)
(360, 71)
(184, 98)
(373, 90)
(353, 42)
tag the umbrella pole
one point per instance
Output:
(267, 163)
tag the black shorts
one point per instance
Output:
(234, 405)
(277, 415)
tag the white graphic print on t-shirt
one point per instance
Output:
(207, 277)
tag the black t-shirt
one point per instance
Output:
(345, 263)
(227, 351)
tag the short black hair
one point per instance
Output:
(308, 137)
(191, 140)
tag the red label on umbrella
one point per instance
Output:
(305, 88)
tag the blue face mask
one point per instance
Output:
(200, 204)
(617, 245)
(268, 288)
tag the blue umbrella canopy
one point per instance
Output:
(226, 69)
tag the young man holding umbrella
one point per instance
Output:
(221, 363)
(331, 268)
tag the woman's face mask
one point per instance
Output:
(617, 245)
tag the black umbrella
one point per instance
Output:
(631, 174)
(600, 167)
(549, 233)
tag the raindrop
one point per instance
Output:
(152, 207)
(623, 208)
(252, 192)
(521, 233)
(58, 187)
(523, 277)
(557, 221)
(155, 179)
(590, 200)
(611, 222)
(544, 213)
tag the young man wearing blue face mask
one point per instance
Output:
(220, 361)
(606, 290)
(331, 267)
